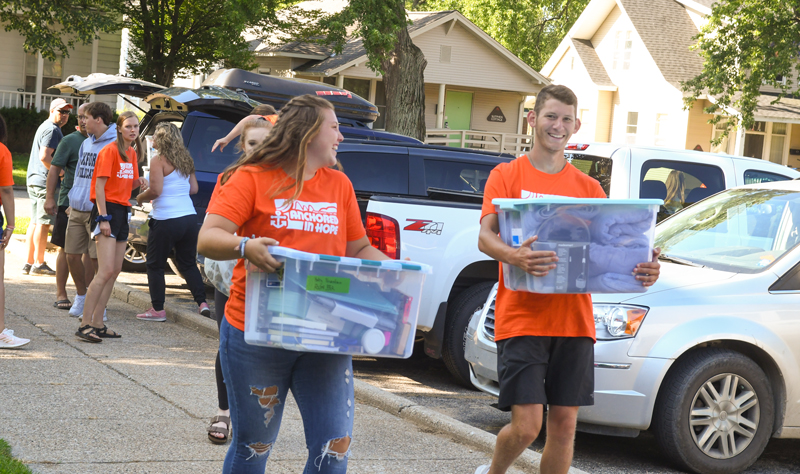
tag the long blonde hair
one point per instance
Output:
(168, 141)
(299, 122)
(250, 125)
(138, 148)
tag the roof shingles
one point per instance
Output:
(667, 32)
(592, 62)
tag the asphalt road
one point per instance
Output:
(428, 383)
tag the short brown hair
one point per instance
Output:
(263, 109)
(99, 109)
(560, 93)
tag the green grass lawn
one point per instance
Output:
(9, 465)
(20, 171)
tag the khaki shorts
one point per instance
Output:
(37, 195)
(79, 234)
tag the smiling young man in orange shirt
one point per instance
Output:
(545, 342)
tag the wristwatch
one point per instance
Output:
(102, 218)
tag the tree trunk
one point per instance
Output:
(404, 83)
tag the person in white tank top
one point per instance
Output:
(173, 221)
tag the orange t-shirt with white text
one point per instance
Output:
(322, 220)
(120, 173)
(6, 167)
(520, 313)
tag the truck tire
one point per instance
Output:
(714, 412)
(134, 260)
(459, 313)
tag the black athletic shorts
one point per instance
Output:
(119, 220)
(59, 236)
(546, 371)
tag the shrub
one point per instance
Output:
(22, 124)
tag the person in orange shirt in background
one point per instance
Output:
(293, 168)
(260, 112)
(7, 338)
(115, 172)
(545, 342)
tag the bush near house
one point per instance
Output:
(22, 124)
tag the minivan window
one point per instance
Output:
(456, 175)
(387, 173)
(597, 167)
(205, 132)
(679, 183)
(757, 176)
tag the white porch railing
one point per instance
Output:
(28, 100)
(505, 142)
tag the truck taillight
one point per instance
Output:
(384, 234)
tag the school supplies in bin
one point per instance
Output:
(321, 303)
(598, 242)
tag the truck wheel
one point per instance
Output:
(459, 312)
(134, 260)
(714, 412)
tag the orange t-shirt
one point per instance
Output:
(519, 313)
(321, 220)
(121, 174)
(6, 166)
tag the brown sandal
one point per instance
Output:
(88, 334)
(215, 429)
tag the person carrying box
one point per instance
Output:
(545, 342)
(274, 194)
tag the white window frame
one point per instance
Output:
(630, 137)
(623, 50)
(35, 59)
(767, 133)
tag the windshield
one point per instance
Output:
(741, 230)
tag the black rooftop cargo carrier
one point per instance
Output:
(277, 91)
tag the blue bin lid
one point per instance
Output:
(396, 265)
(506, 204)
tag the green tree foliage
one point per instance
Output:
(746, 44)
(54, 27)
(382, 25)
(531, 29)
(192, 36)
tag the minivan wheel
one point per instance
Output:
(459, 313)
(134, 260)
(714, 412)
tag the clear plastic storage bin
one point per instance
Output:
(598, 242)
(321, 303)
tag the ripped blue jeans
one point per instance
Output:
(258, 380)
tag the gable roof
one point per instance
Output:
(667, 31)
(591, 61)
(663, 25)
(354, 53)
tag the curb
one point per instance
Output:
(364, 392)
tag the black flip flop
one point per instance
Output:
(62, 304)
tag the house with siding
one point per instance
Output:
(25, 77)
(471, 81)
(626, 59)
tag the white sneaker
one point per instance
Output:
(77, 306)
(9, 341)
(483, 469)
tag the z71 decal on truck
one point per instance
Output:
(424, 226)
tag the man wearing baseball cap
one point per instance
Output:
(45, 142)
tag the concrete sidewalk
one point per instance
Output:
(141, 403)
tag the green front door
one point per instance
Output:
(458, 113)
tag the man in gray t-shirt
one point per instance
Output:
(44, 145)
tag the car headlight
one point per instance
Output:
(617, 321)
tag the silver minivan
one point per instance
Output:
(708, 358)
